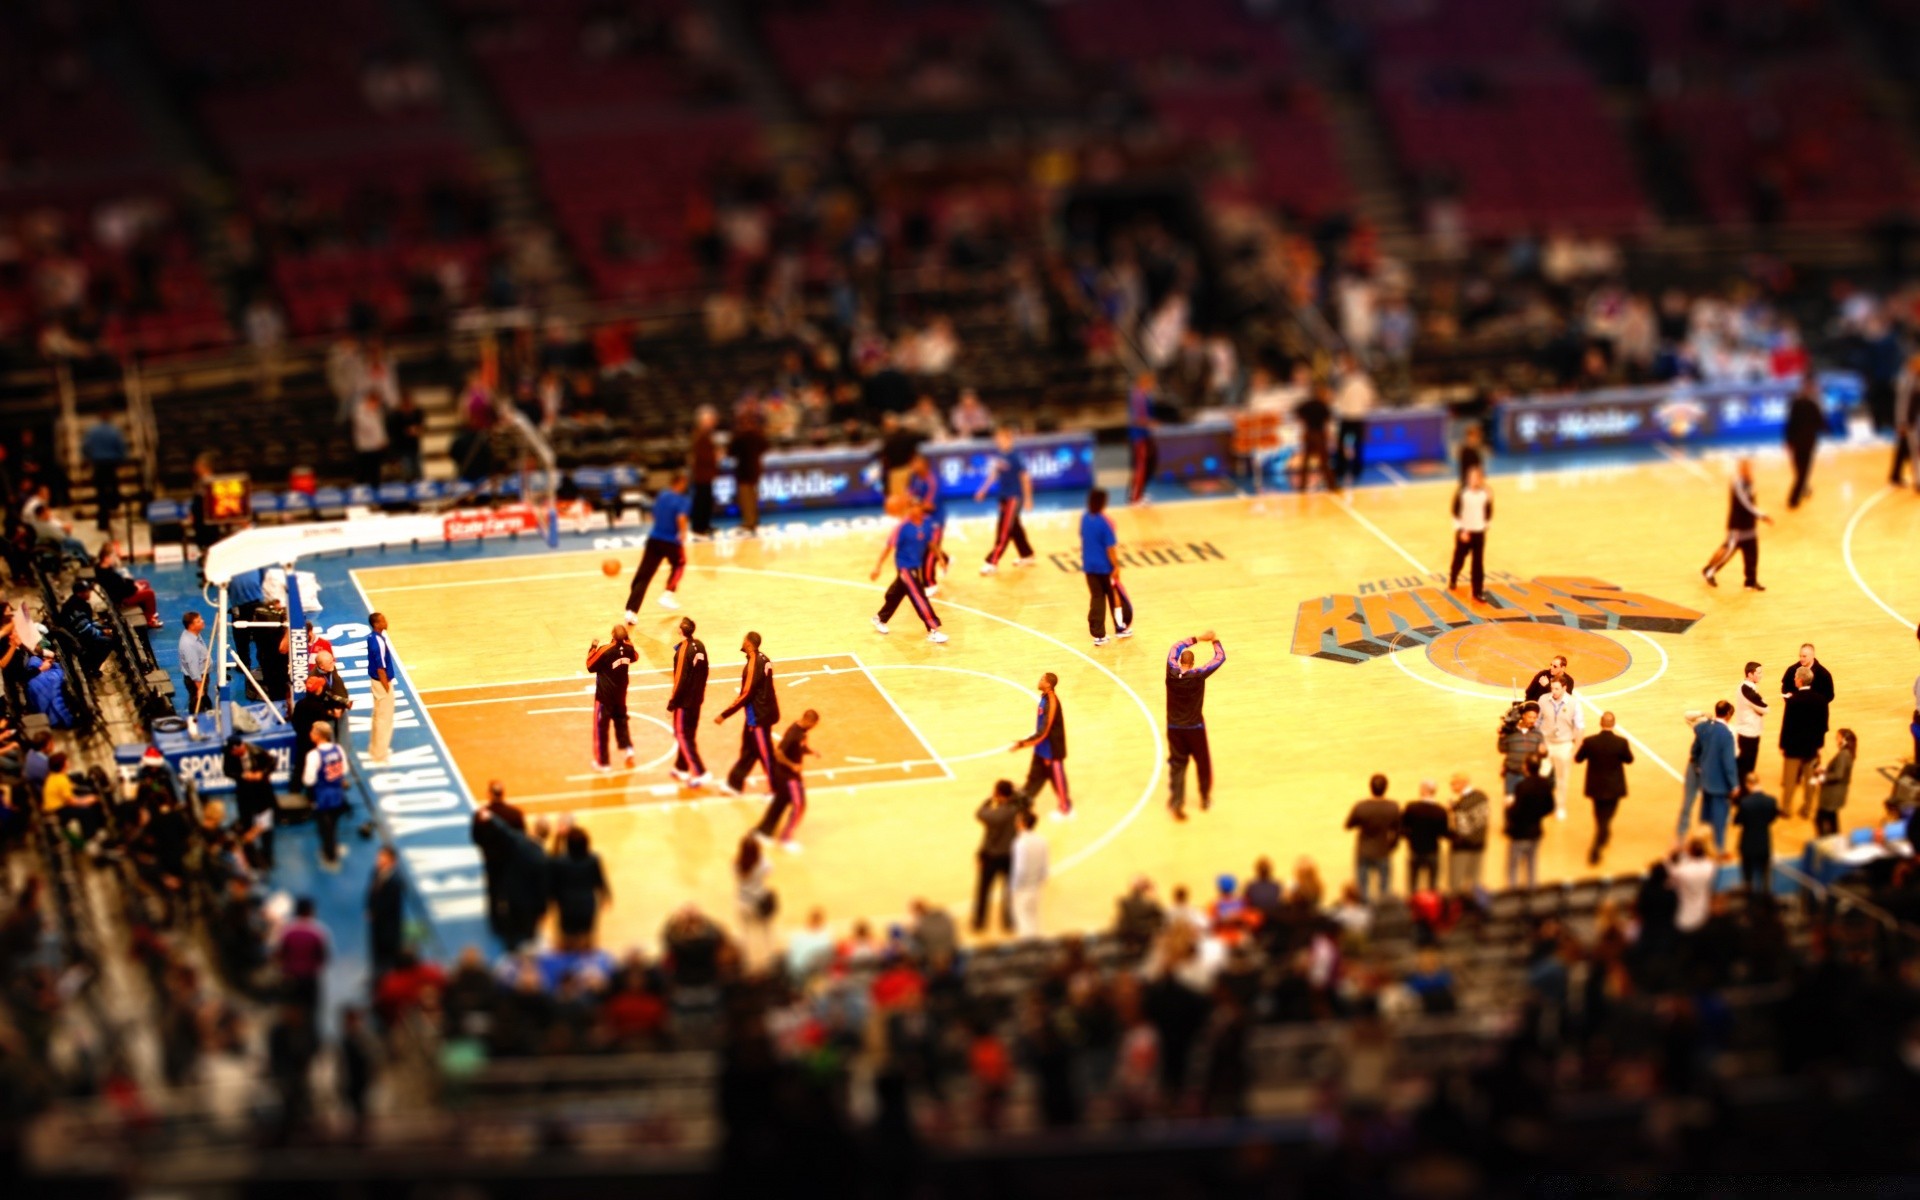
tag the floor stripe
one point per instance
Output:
(1380, 533)
(1399, 480)
(1680, 459)
(1846, 551)
(904, 718)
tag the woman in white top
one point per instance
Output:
(1472, 510)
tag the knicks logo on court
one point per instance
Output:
(1519, 618)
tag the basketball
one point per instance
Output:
(610, 567)
(897, 505)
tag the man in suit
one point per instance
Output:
(1719, 769)
(386, 914)
(1822, 678)
(1803, 731)
(1758, 812)
(491, 826)
(1606, 754)
(1805, 423)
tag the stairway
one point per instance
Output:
(542, 264)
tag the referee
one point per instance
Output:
(1186, 726)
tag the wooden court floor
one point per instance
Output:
(1601, 564)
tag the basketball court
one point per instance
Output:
(1345, 656)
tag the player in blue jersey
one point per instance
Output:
(924, 487)
(908, 545)
(1007, 478)
(1049, 746)
(1143, 450)
(1098, 541)
(666, 542)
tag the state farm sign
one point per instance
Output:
(468, 524)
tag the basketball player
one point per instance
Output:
(666, 542)
(789, 789)
(1186, 726)
(1049, 746)
(611, 665)
(908, 542)
(683, 706)
(925, 489)
(1472, 510)
(762, 709)
(1098, 541)
(1143, 450)
(1007, 477)
(1743, 533)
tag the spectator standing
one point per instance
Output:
(970, 418)
(314, 706)
(1532, 803)
(1028, 878)
(1834, 779)
(749, 448)
(1749, 720)
(526, 883)
(1758, 812)
(406, 425)
(1607, 756)
(579, 886)
(999, 820)
(1562, 725)
(703, 466)
(369, 439)
(381, 671)
(1377, 820)
(755, 900)
(301, 952)
(194, 663)
(1425, 824)
(105, 448)
(251, 768)
(386, 913)
(1805, 423)
(1470, 816)
(492, 824)
(1713, 755)
(1691, 875)
(1803, 732)
(1822, 678)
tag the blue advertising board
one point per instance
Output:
(850, 478)
(1406, 435)
(1670, 413)
(202, 759)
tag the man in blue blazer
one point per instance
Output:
(1714, 757)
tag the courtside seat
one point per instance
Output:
(296, 506)
(395, 495)
(329, 500)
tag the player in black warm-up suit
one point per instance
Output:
(1186, 726)
(789, 788)
(683, 706)
(611, 665)
(1743, 533)
(762, 708)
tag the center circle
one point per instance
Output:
(1509, 653)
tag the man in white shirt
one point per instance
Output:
(1562, 725)
(1029, 876)
(1749, 720)
(1691, 877)
(1472, 511)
